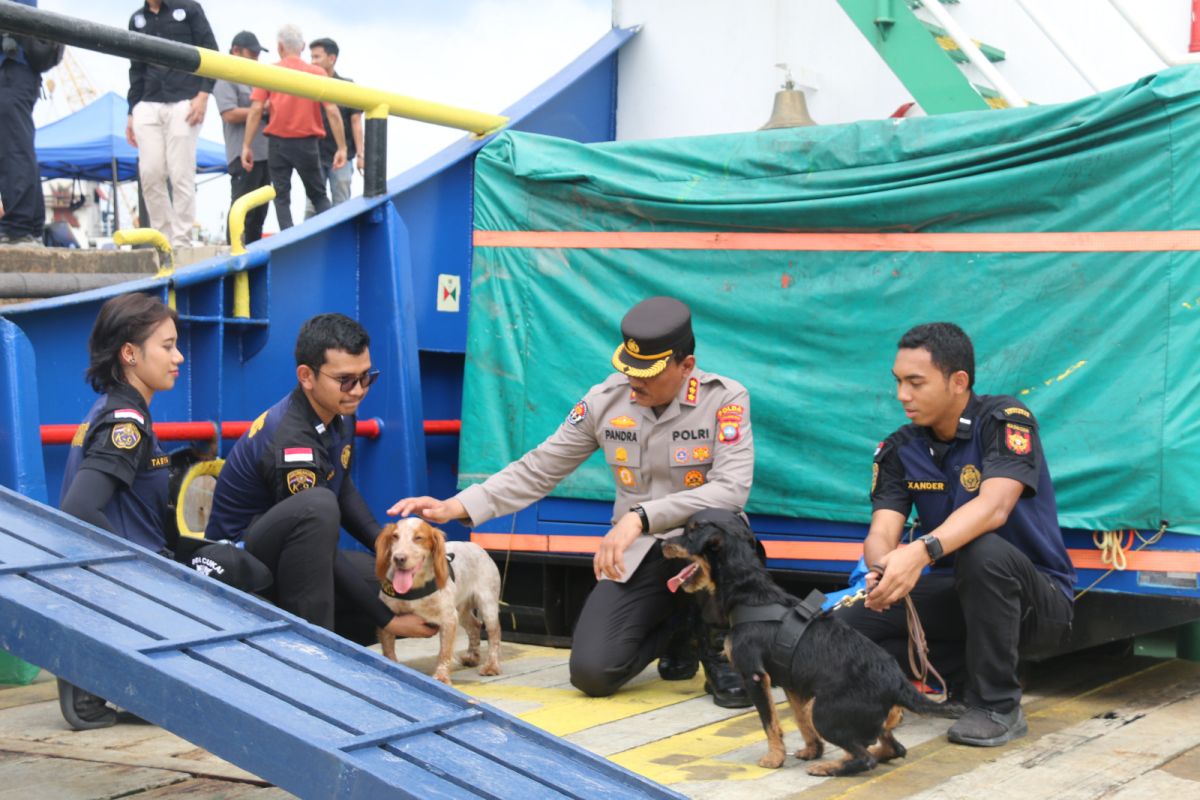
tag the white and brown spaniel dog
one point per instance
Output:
(443, 583)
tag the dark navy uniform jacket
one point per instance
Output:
(997, 438)
(286, 451)
(116, 438)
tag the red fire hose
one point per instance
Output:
(198, 431)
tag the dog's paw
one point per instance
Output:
(771, 760)
(469, 658)
(825, 769)
(443, 675)
(811, 751)
(489, 669)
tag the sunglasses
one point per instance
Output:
(348, 382)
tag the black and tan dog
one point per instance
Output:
(842, 687)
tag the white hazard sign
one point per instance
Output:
(448, 292)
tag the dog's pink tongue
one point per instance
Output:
(681, 578)
(402, 580)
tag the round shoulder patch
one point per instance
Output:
(126, 436)
(578, 413)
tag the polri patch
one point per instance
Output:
(625, 476)
(578, 413)
(1017, 439)
(126, 436)
(681, 455)
(300, 479)
(701, 454)
(694, 479)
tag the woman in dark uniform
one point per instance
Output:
(116, 474)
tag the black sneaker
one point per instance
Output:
(983, 727)
(83, 710)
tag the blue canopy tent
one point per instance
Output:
(90, 145)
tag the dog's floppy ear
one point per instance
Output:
(704, 538)
(437, 551)
(383, 550)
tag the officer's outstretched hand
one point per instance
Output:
(610, 558)
(429, 508)
(410, 626)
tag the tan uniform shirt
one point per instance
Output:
(698, 454)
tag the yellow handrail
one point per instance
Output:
(237, 227)
(166, 266)
(345, 93)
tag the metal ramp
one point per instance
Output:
(292, 703)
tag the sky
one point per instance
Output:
(476, 54)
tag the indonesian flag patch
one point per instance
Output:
(129, 413)
(304, 454)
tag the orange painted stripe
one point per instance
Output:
(1141, 560)
(1144, 560)
(1017, 242)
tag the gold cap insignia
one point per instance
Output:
(632, 347)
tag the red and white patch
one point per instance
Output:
(291, 454)
(129, 413)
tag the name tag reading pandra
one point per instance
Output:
(619, 436)
(926, 486)
(700, 434)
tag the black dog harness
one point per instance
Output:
(793, 622)
(424, 591)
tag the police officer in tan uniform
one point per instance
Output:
(677, 440)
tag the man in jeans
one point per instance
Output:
(166, 110)
(324, 54)
(293, 133)
(233, 102)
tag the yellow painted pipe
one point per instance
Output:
(166, 267)
(237, 227)
(345, 93)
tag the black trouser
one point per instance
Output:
(625, 626)
(20, 179)
(241, 183)
(978, 622)
(297, 540)
(304, 156)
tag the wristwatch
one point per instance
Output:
(641, 512)
(932, 546)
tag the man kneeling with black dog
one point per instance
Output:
(1001, 583)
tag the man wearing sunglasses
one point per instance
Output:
(285, 489)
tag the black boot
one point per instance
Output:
(721, 680)
(681, 660)
(83, 710)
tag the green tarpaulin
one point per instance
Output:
(1102, 343)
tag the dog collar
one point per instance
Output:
(424, 591)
